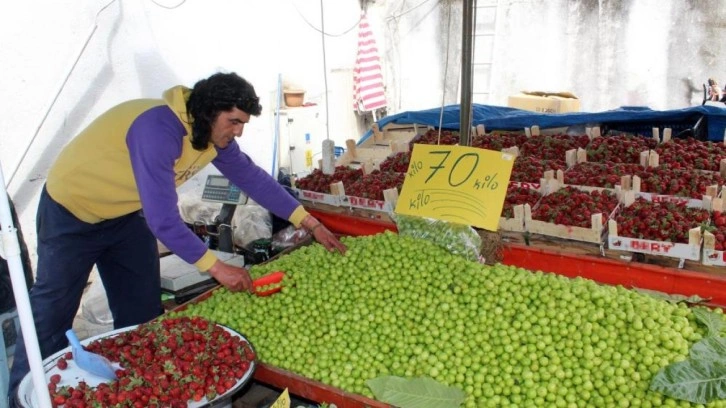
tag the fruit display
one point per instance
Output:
(320, 182)
(396, 163)
(172, 362)
(659, 221)
(677, 182)
(618, 148)
(718, 229)
(372, 185)
(552, 147)
(531, 171)
(574, 207)
(505, 336)
(517, 195)
(432, 136)
(605, 175)
(692, 154)
(498, 141)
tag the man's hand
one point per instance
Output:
(231, 277)
(323, 235)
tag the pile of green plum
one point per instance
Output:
(396, 305)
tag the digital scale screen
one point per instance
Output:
(218, 189)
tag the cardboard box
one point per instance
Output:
(545, 102)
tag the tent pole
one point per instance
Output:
(466, 71)
(11, 251)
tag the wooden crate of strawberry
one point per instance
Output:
(518, 195)
(573, 213)
(377, 191)
(665, 228)
(315, 187)
(714, 236)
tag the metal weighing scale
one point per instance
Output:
(183, 280)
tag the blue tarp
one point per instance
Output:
(630, 118)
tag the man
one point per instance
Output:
(112, 193)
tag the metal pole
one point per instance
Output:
(467, 36)
(11, 248)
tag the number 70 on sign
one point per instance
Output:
(460, 184)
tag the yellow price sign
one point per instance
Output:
(283, 401)
(465, 185)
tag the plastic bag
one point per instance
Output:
(288, 237)
(459, 239)
(251, 222)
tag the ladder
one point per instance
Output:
(483, 50)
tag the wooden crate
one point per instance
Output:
(515, 224)
(689, 251)
(594, 234)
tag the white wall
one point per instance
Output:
(64, 61)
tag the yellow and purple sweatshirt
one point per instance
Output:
(136, 154)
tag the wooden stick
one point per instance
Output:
(636, 184)
(337, 188)
(596, 132)
(626, 183)
(391, 196)
(377, 135)
(528, 132)
(612, 228)
(694, 236)
(656, 134)
(571, 157)
(644, 158)
(667, 135)
(653, 159)
(581, 155)
(560, 176)
(350, 145)
(535, 130)
(480, 130)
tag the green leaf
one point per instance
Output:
(674, 298)
(415, 392)
(712, 320)
(710, 349)
(697, 381)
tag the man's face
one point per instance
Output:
(228, 125)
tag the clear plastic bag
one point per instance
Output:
(459, 239)
(288, 237)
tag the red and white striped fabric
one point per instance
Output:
(368, 91)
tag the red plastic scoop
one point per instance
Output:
(268, 284)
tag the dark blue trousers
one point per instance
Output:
(127, 257)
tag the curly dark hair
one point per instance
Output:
(218, 93)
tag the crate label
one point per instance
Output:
(365, 203)
(522, 184)
(669, 249)
(314, 196)
(714, 257)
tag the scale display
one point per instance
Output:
(218, 189)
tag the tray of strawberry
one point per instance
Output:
(320, 182)
(573, 213)
(618, 148)
(172, 362)
(665, 228)
(447, 137)
(551, 147)
(396, 163)
(498, 141)
(512, 218)
(526, 170)
(714, 240)
(605, 175)
(691, 153)
(372, 185)
(677, 182)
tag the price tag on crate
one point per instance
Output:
(460, 184)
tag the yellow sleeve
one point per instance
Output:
(297, 216)
(206, 261)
